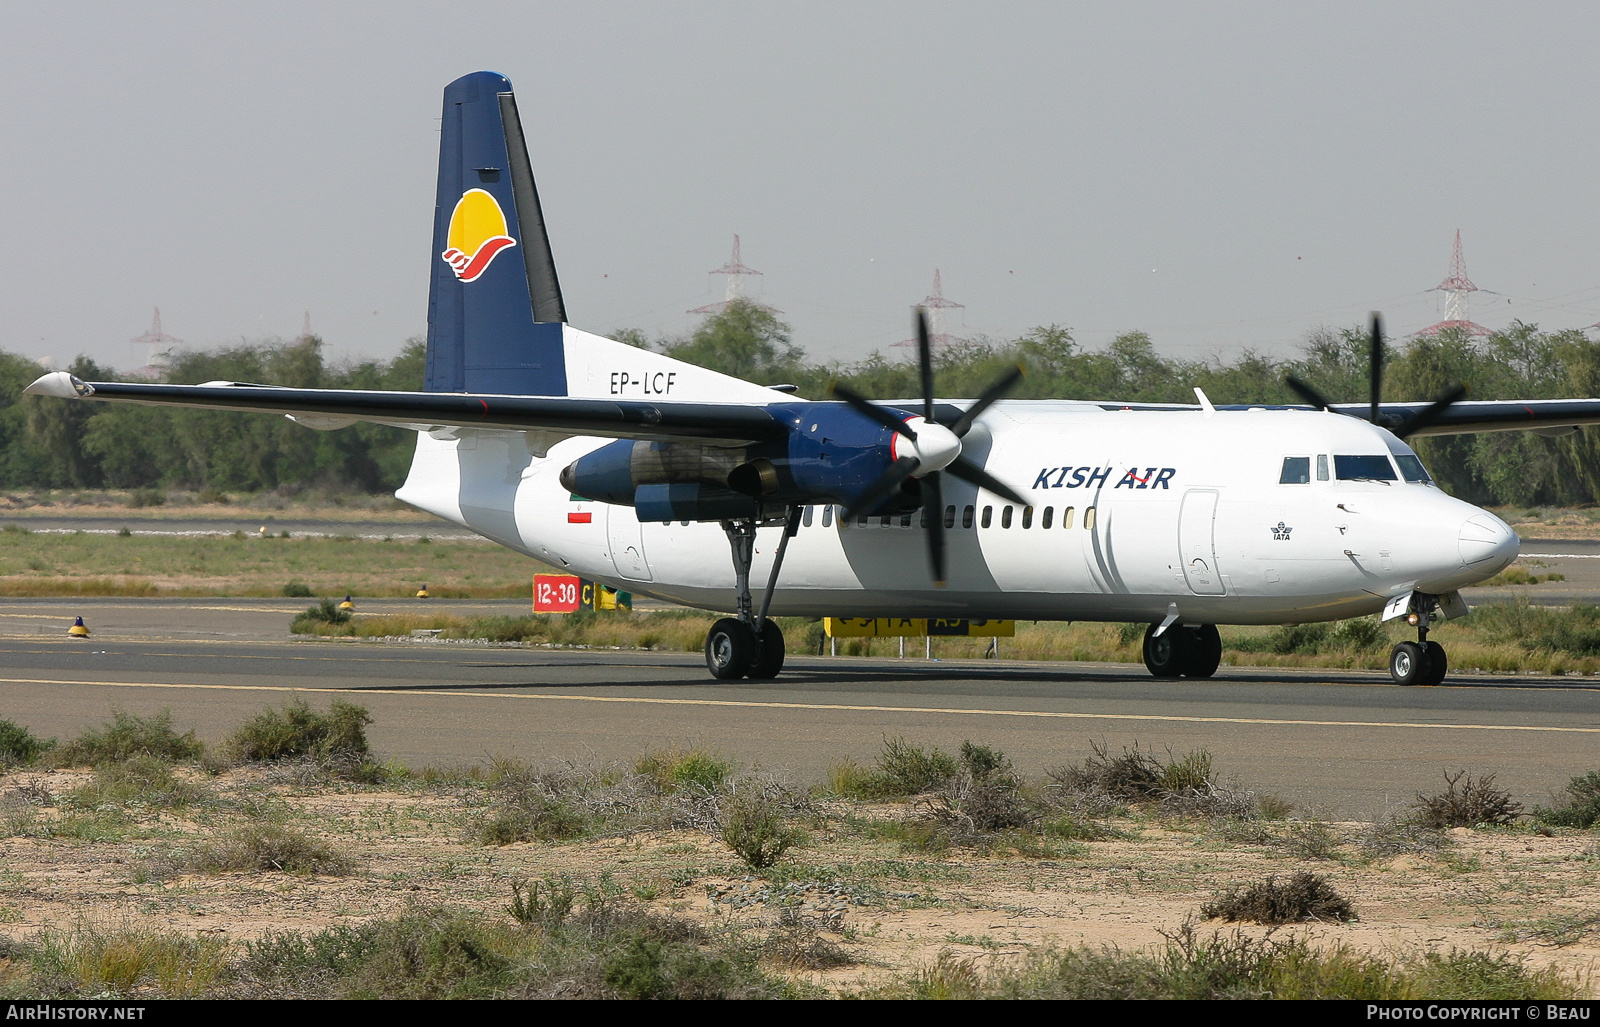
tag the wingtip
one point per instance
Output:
(61, 385)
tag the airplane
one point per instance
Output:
(630, 468)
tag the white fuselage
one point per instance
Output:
(1203, 521)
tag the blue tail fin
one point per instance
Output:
(494, 307)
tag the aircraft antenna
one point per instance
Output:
(1457, 289)
(159, 342)
(737, 271)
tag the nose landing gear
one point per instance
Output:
(735, 647)
(1421, 662)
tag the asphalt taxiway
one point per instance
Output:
(1342, 742)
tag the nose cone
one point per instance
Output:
(1487, 544)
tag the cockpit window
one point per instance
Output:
(1363, 468)
(1296, 470)
(1411, 467)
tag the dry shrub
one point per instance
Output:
(268, 847)
(1466, 803)
(1400, 836)
(796, 942)
(1305, 896)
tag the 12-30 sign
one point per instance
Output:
(556, 593)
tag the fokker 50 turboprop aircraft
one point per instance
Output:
(641, 471)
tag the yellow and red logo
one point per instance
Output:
(477, 235)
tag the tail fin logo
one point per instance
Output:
(477, 235)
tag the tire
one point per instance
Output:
(1205, 651)
(730, 649)
(1167, 654)
(770, 660)
(1408, 664)
(1438, 663)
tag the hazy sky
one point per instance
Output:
(1221, 175)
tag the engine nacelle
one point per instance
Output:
(830, 454)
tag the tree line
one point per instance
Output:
(49, 443)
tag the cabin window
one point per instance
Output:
(966, 517)
(1363, 468)
(861, 522)
(1296, 471)
(827, 516)
(1005, 517)
(1044, 518)
(949, 516)
(1027, 517)
(1322, 467)
(905, 520)
(805, 518)
(886, 519)
(1088, 518)
(988, 517)
(1411, 467)
(924, 517)
(1066, 516)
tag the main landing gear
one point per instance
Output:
(1179, 651)
(735, 646)
(1421, 662)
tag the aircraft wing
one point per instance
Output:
(1548, 416)
(731, 423)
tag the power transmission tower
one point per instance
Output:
(937, 305)
(160, 343)
(737, 271)
(1457, 288)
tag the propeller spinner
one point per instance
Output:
(929, 448)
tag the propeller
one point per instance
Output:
(1413, 424)
(934, 449)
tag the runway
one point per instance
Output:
(1343, 743)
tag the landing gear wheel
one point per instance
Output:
(1408, 664)
(770, 662)
(1166, 655)
(1437, 665)
(1205, 651)
(730, 649)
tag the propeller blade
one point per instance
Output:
(925, 360)
(970, 472)
(1005, 384)
(933, 506)
(879, 490)
(882, 415)
(1375, 364)
(1431, 414)
(1306, 392)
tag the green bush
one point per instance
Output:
(1582, 809)
(298, 730)
(325, 612)
(906, 769)
(754, 828)
(129, 735)
(19, 745)
(298, 589)
(675, 770)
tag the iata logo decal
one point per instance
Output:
(477, 235)
(1281, 532)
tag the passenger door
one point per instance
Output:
(1196, 545)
